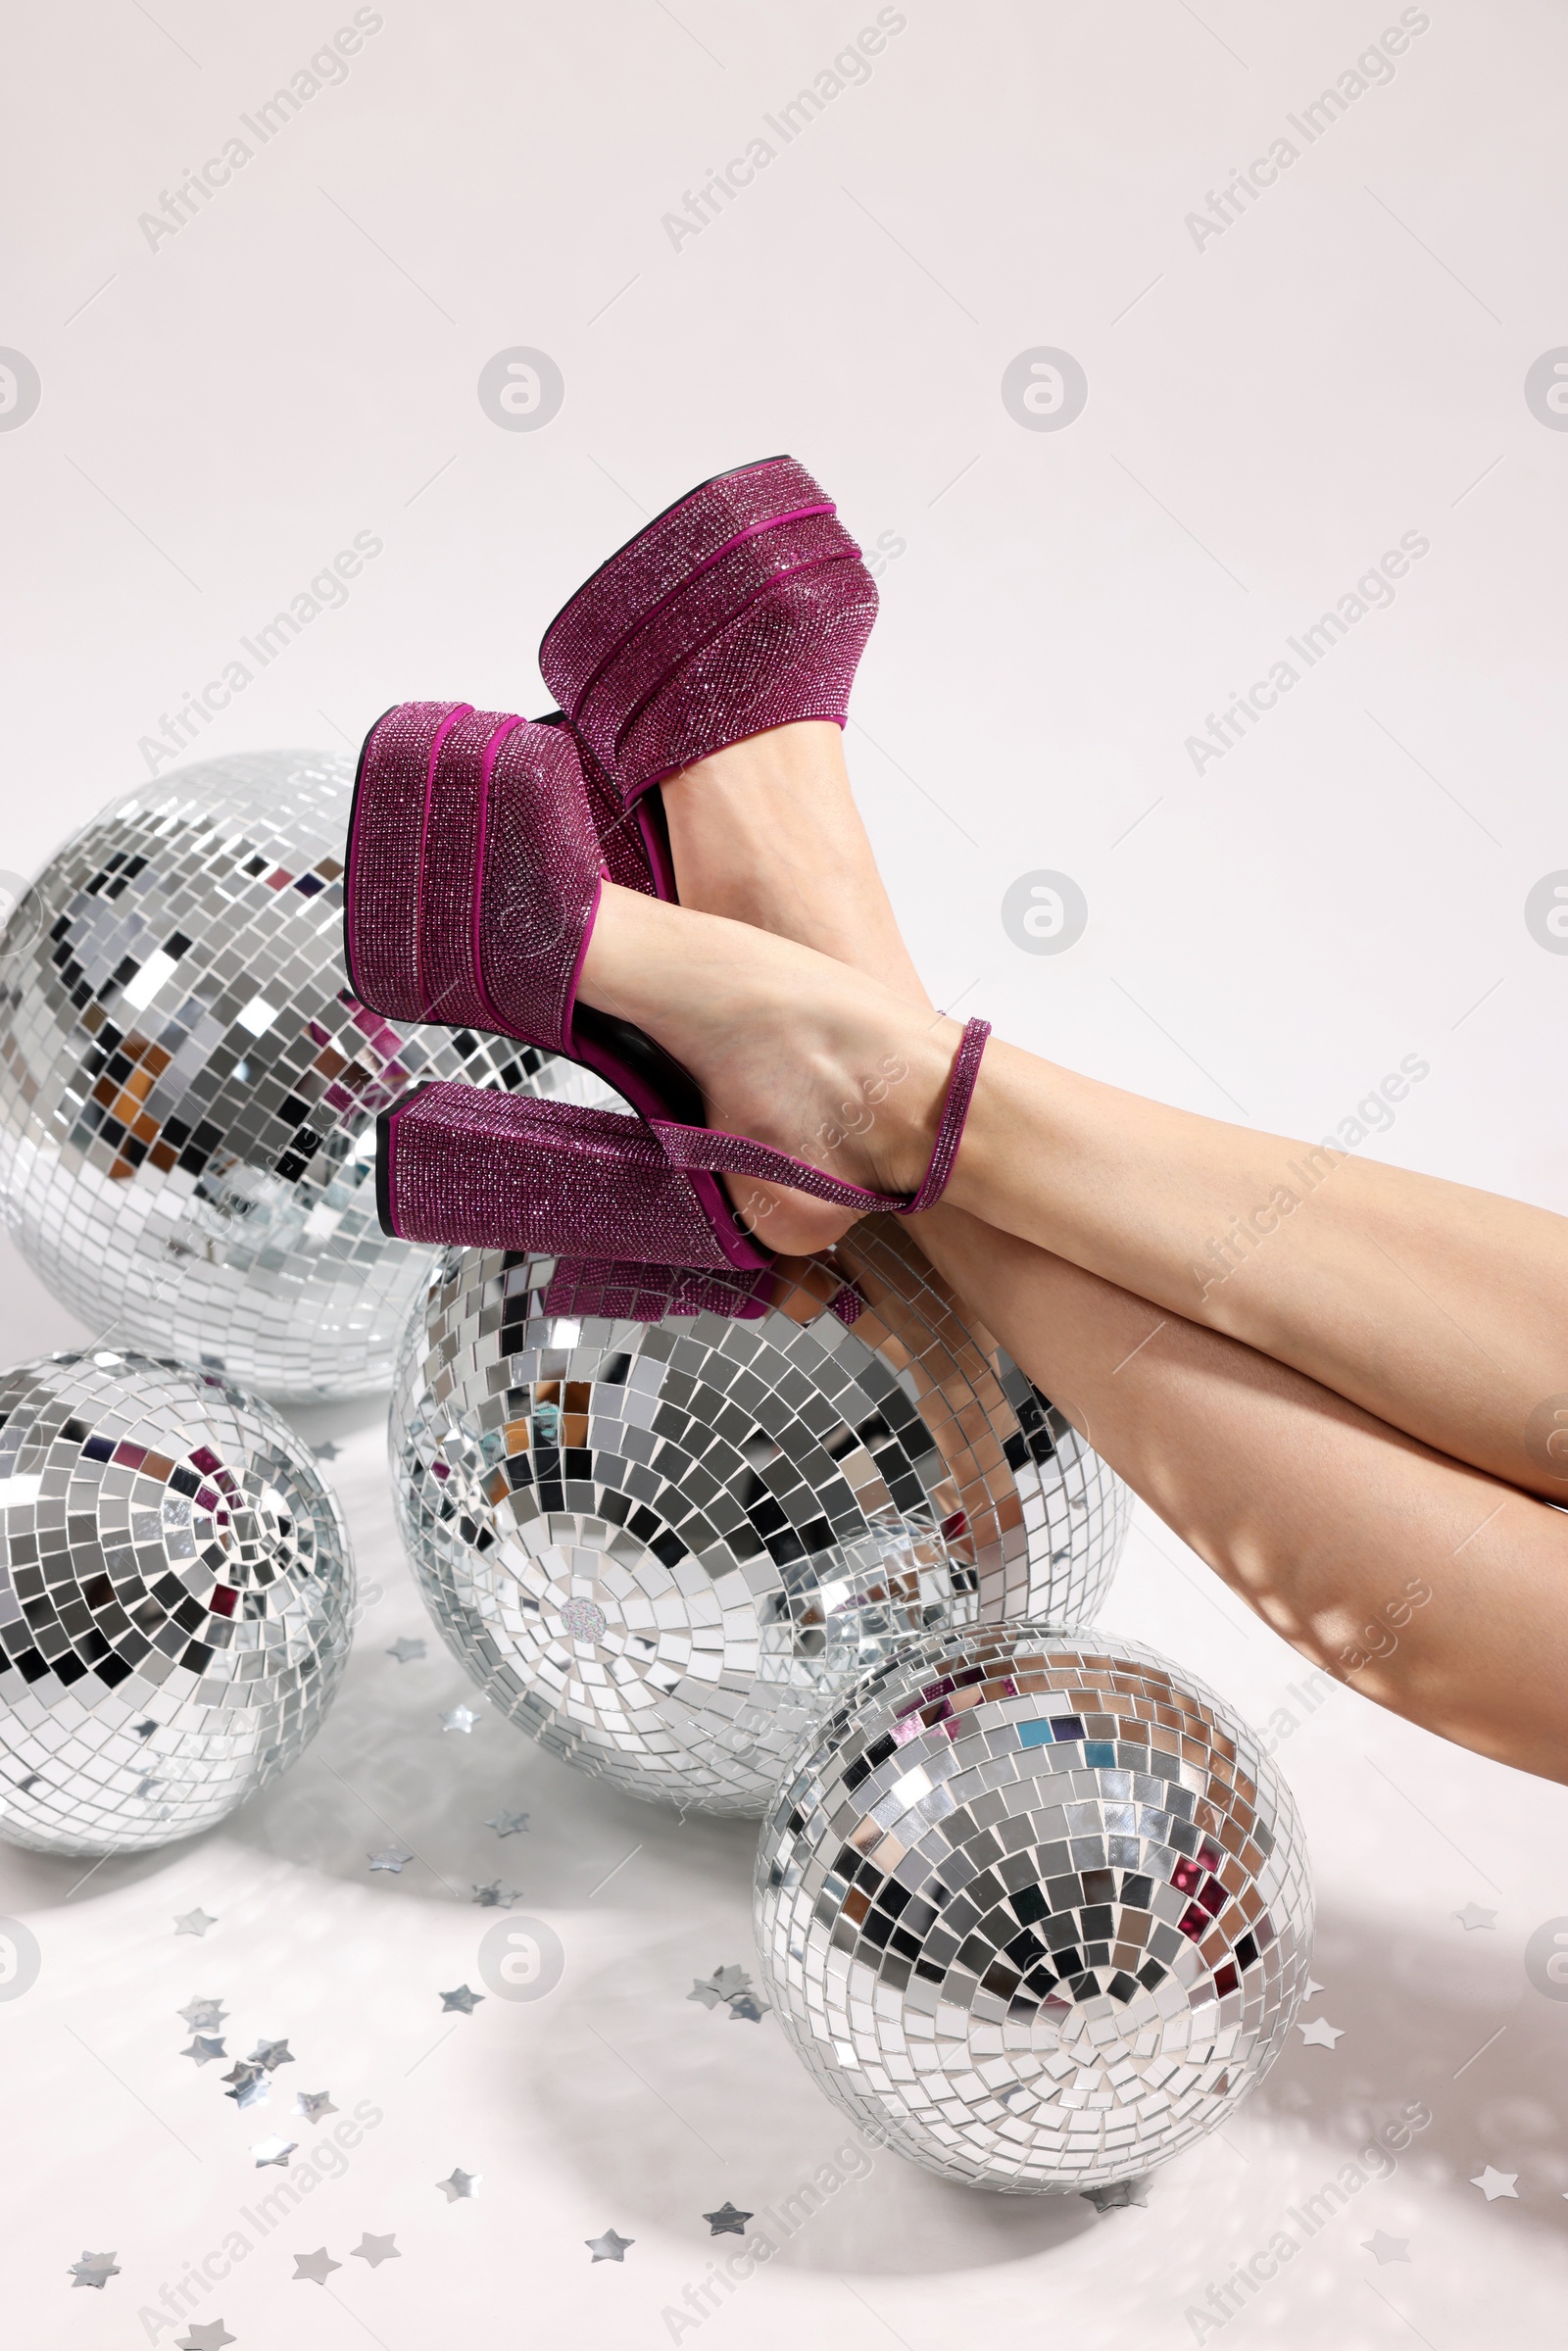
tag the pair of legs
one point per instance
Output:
(1338, 1382)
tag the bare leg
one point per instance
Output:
(768, 832)
(1429, 1587)
(1426, 1585)
(1441, 1310)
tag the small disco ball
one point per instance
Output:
(175, 1597)
(662, 1547)
(1034, 1909)
(188, 1092)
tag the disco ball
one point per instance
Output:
(188, 1091)
(174, 1597)
(662, 1547)
(1032, 1907)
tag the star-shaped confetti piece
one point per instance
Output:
(1473, 1916)
(327, 1450)
(211, 2337)
(610, 2246)
(730, 1987)
(271, 2054)
(313, 2104)
(249, 2085)
(375, 2250)
(1117, 2195)
(1321, 2033)
(463, 2001)
(390, 1857)
(507, 1823)
(1309, 1989)
(94, 2269)
(1494, 2185)
(194, 1922)
(404, 1651)
(204, 2047)
(273, 2150)
(495, 1896)
(203, 2016)
(317, 2266)
(1384, 2248)
(462, 2184)
(462, 1718)
(727, 2220)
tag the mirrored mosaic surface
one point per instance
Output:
(188, 1091)
(1034, 1908)
(174, 1600)
(662, 1547)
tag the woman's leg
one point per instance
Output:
(1426, 1585)
(1430, 1588)
(1440, 1310)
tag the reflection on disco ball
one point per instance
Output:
(175, 1597)
(188, 1091)
(1034, 1908)
(662, 1547)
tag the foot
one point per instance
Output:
(768, 832)
(787, 1045)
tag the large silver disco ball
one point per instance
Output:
(174, 1598)
(188, 1092)
(1032, 1907)
(662, 1547)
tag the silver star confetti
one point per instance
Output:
(390, 1857)
(1384, 2247)
(1119, 2195)
(610, 2246)
(249, 2085)
(375, 2250)
(1473, 1916)
(313, 2104)
(462, 2184)
(94, 2269)
(1309, 1989)
(327, 1450)
(495, 1896)
(211, 2337)
(507, 1823)
(1321, 2033)
(271, 2054)
(462, 1718)
(727, 2220)
(404, 1651)
(317, 2266)
(194, 1922)
(203, 2016)
(731, 1987)
(204, 2048)
(273, 2150)
(463, 2001)
(1494, 2185)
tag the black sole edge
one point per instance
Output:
(383, 1156)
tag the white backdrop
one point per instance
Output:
(233, 384)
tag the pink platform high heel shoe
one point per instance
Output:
(744, 606)
(473, 873)
(474, 1169)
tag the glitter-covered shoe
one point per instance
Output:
(743, 606)
(475, 868)
(467, 1168)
